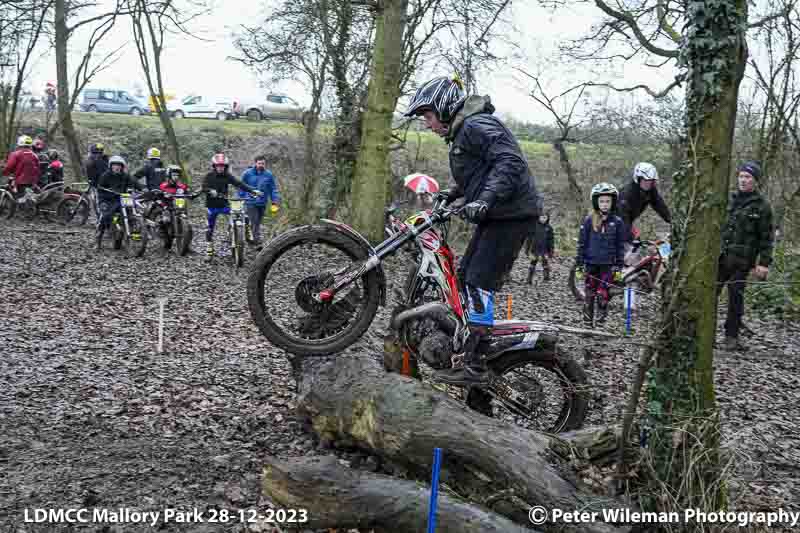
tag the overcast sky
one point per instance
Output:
(201, 66)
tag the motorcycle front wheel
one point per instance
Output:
(183, 235)
(576, 283)
(540, 389)
(135, 242)
(238, 246)
(294, 267)
(8, 205)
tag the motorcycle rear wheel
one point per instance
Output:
(354, 325)
(566, 414)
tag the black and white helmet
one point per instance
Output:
(604, 189)
(442, 95)
(645, 171)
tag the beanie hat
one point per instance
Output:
(752, 168)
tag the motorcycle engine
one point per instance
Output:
(427, 341)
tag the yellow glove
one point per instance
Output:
(617, 276)
(273, 209)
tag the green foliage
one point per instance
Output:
(780, 294)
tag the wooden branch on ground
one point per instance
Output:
(339, 497)
(353, 401)
(48, 231)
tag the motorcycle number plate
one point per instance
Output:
(180, 202)
(665, 249)
(127, 201)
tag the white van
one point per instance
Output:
(201, 106)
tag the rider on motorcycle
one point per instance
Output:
(55, 170)
(117, 180)
(23, 165)
(215, 185)
(152, 171)
(501, 199)
(641, 192)
(97, 165)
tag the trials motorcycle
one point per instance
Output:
(315, 290)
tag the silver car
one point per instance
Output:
(276, 106)
(112, 101)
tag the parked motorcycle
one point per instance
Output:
(649, 260)
(315, 290)
(34, 202)
(74, 209)
(8, 201)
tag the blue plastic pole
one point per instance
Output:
(437, 465)
(628, 302)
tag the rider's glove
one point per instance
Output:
(476, 211)
(274, 208)
(212, 193)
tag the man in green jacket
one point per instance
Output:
(747, 240)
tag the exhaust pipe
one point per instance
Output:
(436, 311)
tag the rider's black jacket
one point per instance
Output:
(220, 182)
(487, 163)
(153, 172)
(120, 182)
(634, 200)
(96, 167)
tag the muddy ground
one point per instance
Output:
(92, 416)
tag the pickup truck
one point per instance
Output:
(275, 106)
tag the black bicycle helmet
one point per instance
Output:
(443, 95)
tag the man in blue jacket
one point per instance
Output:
(492, 174)
(259, 178)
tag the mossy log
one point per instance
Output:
(351, 400)
(339, 497)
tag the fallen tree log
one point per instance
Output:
(339, 497)
(351, 400)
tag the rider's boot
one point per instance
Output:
(209, 250)
(546, 271)
(531, 272)
(588, 310)
(481, 317)
(474, 371)
(602, 308)
(98, 236)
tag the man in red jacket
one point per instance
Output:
(24, 165)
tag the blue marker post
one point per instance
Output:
(630, 304)
(437, 465)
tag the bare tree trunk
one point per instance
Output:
(684, 443)
(372, 168)
(62, 80)
(572, 182)
(141, 12)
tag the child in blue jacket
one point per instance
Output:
(600, 250)
(261, 179)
